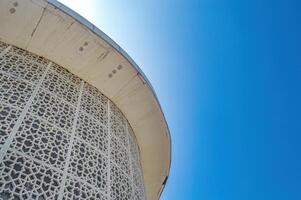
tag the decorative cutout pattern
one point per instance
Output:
(8, 118)
(121, 187)
(14, 91)
(119, 155)
(118, 125)
(77, 190)
(92, 132)
(53, 110)
(42, 141)
(95, 104)
(61, 141)
(22, 178)
(63, 86)
(138, 187)
(89, 165)
(21, 64)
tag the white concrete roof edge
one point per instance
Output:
(112, 43)
(104, 36)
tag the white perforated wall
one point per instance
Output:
(60, 138)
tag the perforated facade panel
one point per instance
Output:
(60, 138)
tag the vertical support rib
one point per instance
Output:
(130, 158)
(61, 192)
(22, 115)
(109, 151)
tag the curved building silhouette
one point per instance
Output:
(78, 118)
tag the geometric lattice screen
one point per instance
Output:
(60, 138)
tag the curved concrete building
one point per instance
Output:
(78, 118)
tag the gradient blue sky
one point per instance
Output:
(228, 76)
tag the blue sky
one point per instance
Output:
(228, 76)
